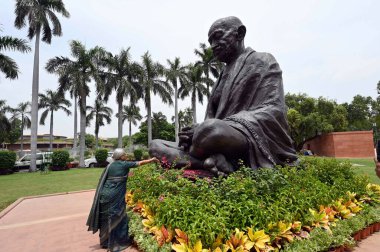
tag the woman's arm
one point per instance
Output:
(148, 161)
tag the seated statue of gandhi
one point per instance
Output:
(245, 116)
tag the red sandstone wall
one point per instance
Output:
(358, 144)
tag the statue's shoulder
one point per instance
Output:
(260, 57)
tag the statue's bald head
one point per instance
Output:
(226, 37)
(226, 23)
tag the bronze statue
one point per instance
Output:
(246, 113)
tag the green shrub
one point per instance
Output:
(130, 156)
(60, 158)
(101, 156)
(87, 154)
(138, 153)
(205, 208)
(7, 161)
(145, 155)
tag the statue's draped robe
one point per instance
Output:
(252, 101)
(108, 209)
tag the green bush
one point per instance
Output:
(101, 156)
(7, 161)
(205, 208)
(145, 155)
(60, 158)
(130, 156)
(138, 153)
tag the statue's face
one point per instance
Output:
(223, 41)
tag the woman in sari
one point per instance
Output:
(108, 209)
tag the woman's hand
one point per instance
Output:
(154, 160)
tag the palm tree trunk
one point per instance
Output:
(149, 111)
(34, 107)
(176, 125)
(82, 138)
(51, 131)
(22, 136)
(193, 107)
(130, 136)
(96, 133)
(75, 144)
(120, 124)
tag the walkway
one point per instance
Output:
(57, 223)
(54, 223)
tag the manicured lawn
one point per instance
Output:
(365, 166)
(19, 185)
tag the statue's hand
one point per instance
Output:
(186, 136)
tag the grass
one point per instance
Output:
(19, 185)
(364, 166)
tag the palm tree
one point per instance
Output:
(38, 13)
(208, 63)
(4, 122)
(7, 65)
(21, 113)
(150, 73)
(132, 114)
(195, 86)
(121, 77)
(100, 112)
(174, 74)
(84, 67)
(52, 101)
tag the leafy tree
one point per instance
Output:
(21, 113)
(309, 117)
(359, 113)
(38, 14)
(149, 77)
(161, 129)
(90, 141)
(195, 87)
(4, 121)
(52, 101)
(100, 113)
(176, 74)
(82, 69)
(208, 63)
(121, 76)
(7, 65)
(132, 115)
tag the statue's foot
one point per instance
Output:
(218, 165)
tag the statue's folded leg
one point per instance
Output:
(165, 149)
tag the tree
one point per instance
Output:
(195, 87)
(208, 63)
(5, 125)
(378, 87)
(185, 118)
(359, 113)
(176, 74)
(132, 114)
(309, 117)
(52, 101)
(121, 76)
(149, 76)
(161, 129)
(7, 65)
(21, 113)
(89, 140)
(38, 14)
(100, 113)
(82, 69)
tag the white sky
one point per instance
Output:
(325, 48)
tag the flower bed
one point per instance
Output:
(312, 207)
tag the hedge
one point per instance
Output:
(101, 156)
(59, 159)
(7, 161)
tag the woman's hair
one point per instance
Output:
(118, 153)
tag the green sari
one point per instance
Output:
(108, 209)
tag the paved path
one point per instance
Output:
(57, 223)
(54, 223)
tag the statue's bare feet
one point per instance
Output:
(218, 165)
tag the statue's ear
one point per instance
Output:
(241, 32)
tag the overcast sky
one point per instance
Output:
(325, 48)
